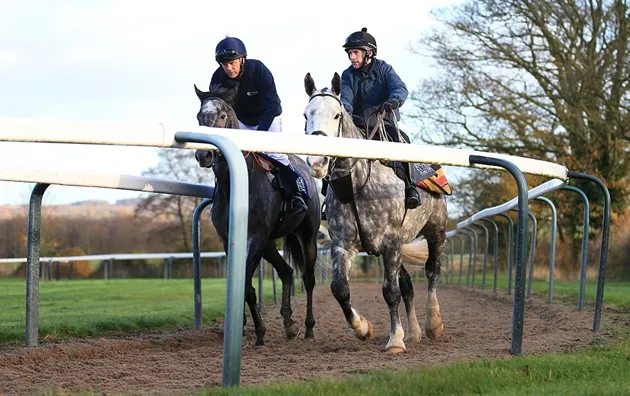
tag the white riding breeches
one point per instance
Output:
(276, 126)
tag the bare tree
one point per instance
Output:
(538, 78)
(175, 164)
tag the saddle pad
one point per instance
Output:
(436, 183)
(263, 162)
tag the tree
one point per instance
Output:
(534, 78)
(180, 165)
(538, 78)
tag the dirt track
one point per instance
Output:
(478, 324)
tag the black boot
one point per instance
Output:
(294, 180)
(412, 198)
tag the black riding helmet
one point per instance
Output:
(361, 39)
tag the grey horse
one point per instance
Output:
(366, 212)
(268, 220)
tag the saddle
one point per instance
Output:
(428, 177)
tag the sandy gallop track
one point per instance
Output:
(478, 325)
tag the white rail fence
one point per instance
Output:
(232, 143)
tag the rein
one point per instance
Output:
(332, 168)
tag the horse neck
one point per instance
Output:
(222, 172)
(349, 130)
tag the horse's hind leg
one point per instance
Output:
(309, 284)
(392, 295)
(435, 236)
(285, 273)
(406, 289)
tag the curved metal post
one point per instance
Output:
(196, 240)
(552, 253)
(461, 258)
(495, 254)
(32, 264)
(521, 236)
(510, 250)
(237, 250)
(472, 254)
(532, 253)
(604, 250)
(584, 243)
(485, 254)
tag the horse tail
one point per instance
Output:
(415, 252)
(293, 252)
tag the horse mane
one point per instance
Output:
(225, 92)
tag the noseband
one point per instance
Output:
(339, 128)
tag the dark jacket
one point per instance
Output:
(364, 90)
(257, 102)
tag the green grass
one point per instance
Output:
(597, 371)
(92, 308)
(616, 293)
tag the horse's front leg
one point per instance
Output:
(254, 255)
(391, 293)
(342, 262)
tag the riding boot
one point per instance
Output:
(412, 197)
(296, 183)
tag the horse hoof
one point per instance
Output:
(395, 350)
(309, 335)
(292, 331)
(368, 334)
(413, 338)
(259, 347)
(435, 333)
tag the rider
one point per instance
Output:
(370, 86)
(257, 107)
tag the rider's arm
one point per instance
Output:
(270, 101)
(397, 88)
(347, 94)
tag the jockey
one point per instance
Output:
(257, 107)
(370, 86)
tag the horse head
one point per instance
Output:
(216, 110)
(325, 116)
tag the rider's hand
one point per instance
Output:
(389, 105)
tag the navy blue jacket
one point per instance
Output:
(257, 101)
(378, 84)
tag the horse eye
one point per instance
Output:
(337, 116)
(223, 116)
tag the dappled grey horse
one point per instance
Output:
(366, 211)
(269, 218)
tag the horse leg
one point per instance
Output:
(392, 294)
(309, 284)
(342, 262)
(435, 243)
(250, 298)
(406, 289)
(285, 273)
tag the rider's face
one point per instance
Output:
(356, 57)
(232, 68)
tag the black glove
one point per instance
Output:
(389, 105)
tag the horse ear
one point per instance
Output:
(200, 94)
(336, 84)
(309, 84)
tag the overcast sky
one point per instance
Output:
(137, 61)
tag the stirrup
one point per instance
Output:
(412, 198)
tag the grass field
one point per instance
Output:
(596, 371)
(91, 308)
